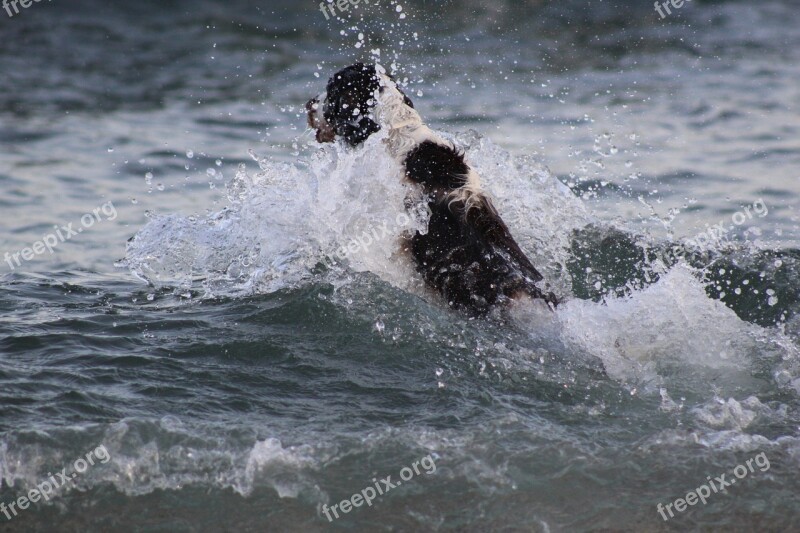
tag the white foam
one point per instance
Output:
(288, 218)
(673, 318)
(279, 467)
(347, 209)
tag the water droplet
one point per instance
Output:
(189, 154)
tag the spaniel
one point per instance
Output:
(468, 254)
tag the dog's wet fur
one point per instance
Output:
(468, 254)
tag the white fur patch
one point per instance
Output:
(406, 131)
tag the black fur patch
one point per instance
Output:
(436, 167)
(350, 101)
(471, 258)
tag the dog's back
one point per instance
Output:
(468, 254)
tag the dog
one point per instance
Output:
(468, 254)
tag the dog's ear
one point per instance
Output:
(316, 121)
(347, 110)
(350, 101)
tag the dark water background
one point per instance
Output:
(245, 401)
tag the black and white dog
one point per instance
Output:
(468, 254)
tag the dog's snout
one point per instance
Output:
(316, 120)
(311, 109)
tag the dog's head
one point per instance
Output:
(346, 109)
